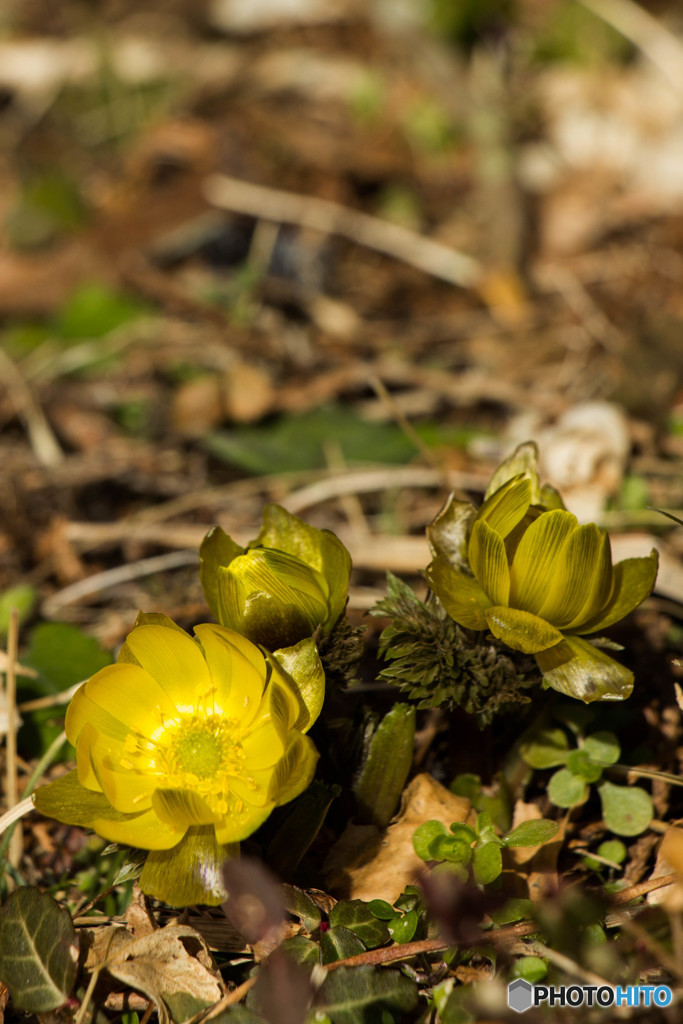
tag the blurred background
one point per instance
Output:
(341, 255)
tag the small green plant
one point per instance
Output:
(464, 848)
(626, 810)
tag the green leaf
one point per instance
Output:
(467, 784)
(515, 909)
(38, 951)
(487, 863)
(358, 918)
(626, 810)
(580, 763)
(94, 310)
(63, 655)
(449, 531)
(614, 850)
(381, 780)
(424, 836)
(580, 670)
(23, 598)
(339, 943)
(532, 833)
(602, 747)
(566, 789)
(360, 995)
(382, 910)
(545, 748)
(461, 595)
(191, 872)
(302, 950)
(410, 899)
(532, 968)
(294, 443)
(452, 848)
(521, 630)
(402, 929)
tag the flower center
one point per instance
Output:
(199, 749)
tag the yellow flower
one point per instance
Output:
(523, 568)
(184, 747)
(285, 584)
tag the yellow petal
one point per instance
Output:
(181, 807)
(262, 747)
(146, 831)
(253, 787)
(117, 700)
(175, 661)
(126, 790)
(633, 580)
(294, 773)
(462, 596)
(583, 578)
(241, 820)
(536, 560)
(521, 630)
(86, 775)
(489, 562)
(507, 506)
(238, 671)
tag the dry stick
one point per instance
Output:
(43, 441)
(16, 843)
(334, 219)
(645, 32)
(634, 892)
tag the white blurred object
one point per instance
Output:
(584, 455)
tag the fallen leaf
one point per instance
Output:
(669, 859)
(368, 864)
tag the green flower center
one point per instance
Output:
(199, 750)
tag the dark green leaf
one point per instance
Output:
(301, 824)
(38, 951)
(383, 776)
(532, 968)
(358, 918)
(487, 863)
(515, 909)
(63, 655)
(532, 833)
(468, 785)
(299, 904)
(302, 950)
(339, 943)
(626, 810)
(382, 910)
(359, 995)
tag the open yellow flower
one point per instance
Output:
(522, 567)
(184, 747)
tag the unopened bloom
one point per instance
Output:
(523, 568)
(184, 747)
(285, 584)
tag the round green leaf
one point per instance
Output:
(424, 836)
(546, 748)
(602, 747)
(626, 810)
(487, 863)
(381, 910)
(566, 789)
(532, 833)
(452, 848)
(614, 850)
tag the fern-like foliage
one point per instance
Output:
(437, 664)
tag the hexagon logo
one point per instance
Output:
(520, 995)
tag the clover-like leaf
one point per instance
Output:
(424, 837)
(566, 789)
(532, 833)
(38, 950)
(545, 748)
(487, 863)
(602, 747)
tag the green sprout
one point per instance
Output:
(523, 568)
(477, 849)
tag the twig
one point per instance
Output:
(332, 218)
(634, 892)
(391, 954)
(53, 700)
(40, 434)
(112, 577)
(15, 842)
(645, 32)
(16, 812)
